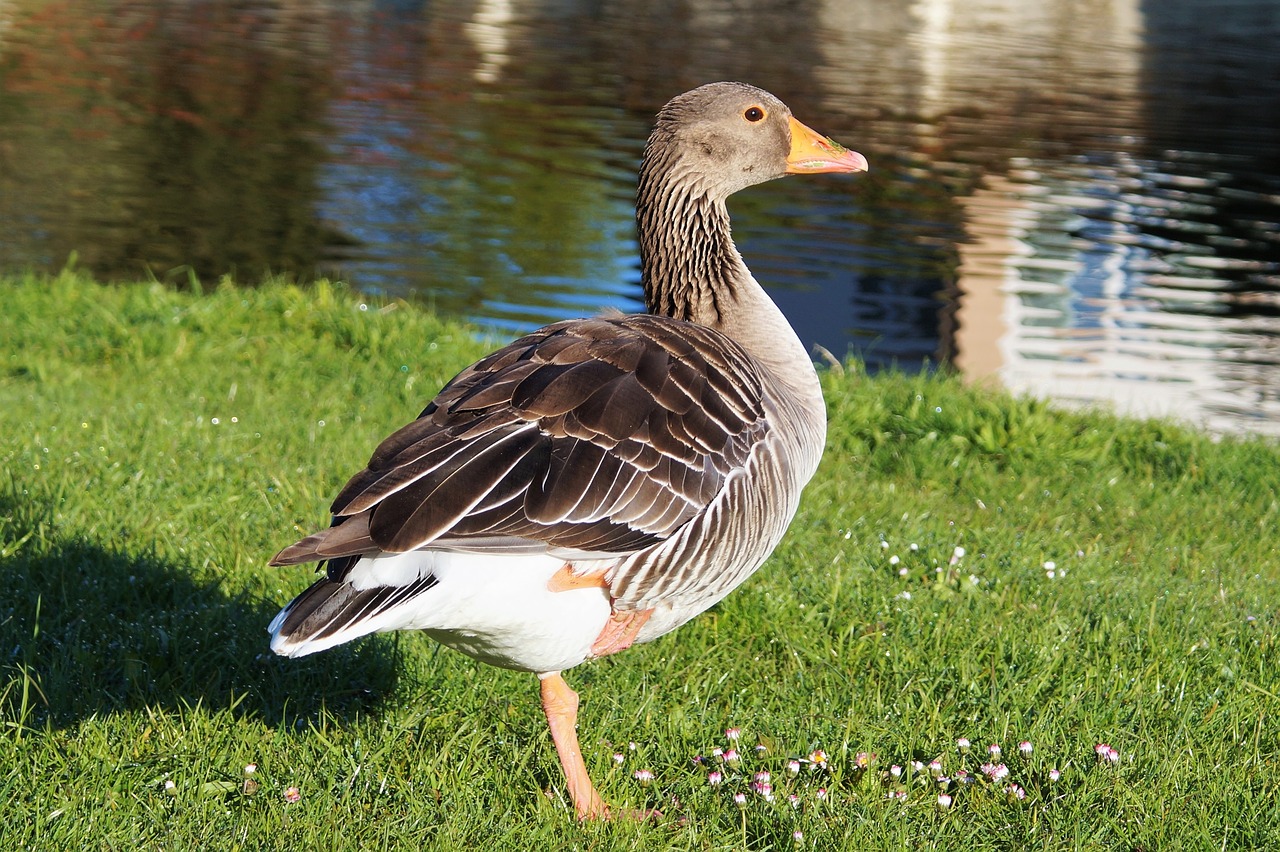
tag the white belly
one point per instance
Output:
(499, 610)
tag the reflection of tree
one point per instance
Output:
(191, 129)
(485, 205)
(503, 222)
(520, 211)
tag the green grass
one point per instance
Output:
(157, 447)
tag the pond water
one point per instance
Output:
(1079, 199)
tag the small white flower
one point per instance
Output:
(1106, 753)
(994, 771)
(963, 744)
(715, 779)
(1025, 748)
(944, 801)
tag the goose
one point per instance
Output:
(598, 482)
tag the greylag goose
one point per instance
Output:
(598, 482)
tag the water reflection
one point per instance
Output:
(1099, 283)
(162, 137)
(1079, 197)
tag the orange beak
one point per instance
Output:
(812, 153)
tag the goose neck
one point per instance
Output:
(692, 271)
(690, 266)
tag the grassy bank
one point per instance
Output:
(964, 565)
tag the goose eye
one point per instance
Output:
(754, 113)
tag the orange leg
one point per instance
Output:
(560, 703)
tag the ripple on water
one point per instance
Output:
(1162, 301)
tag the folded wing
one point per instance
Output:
(588, 438)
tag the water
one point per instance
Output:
(1076, 198)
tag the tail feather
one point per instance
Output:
(330, 613)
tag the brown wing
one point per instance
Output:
(602, 436)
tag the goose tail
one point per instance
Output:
(330, 613)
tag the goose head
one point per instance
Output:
(724, 137)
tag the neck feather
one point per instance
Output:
(691, 269)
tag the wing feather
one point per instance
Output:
(601, 436)
(434, 503)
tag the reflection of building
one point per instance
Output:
(1087, 274)
(1042, 68)
(489, 31)
(1090, 321)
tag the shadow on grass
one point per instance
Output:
(87, 629)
